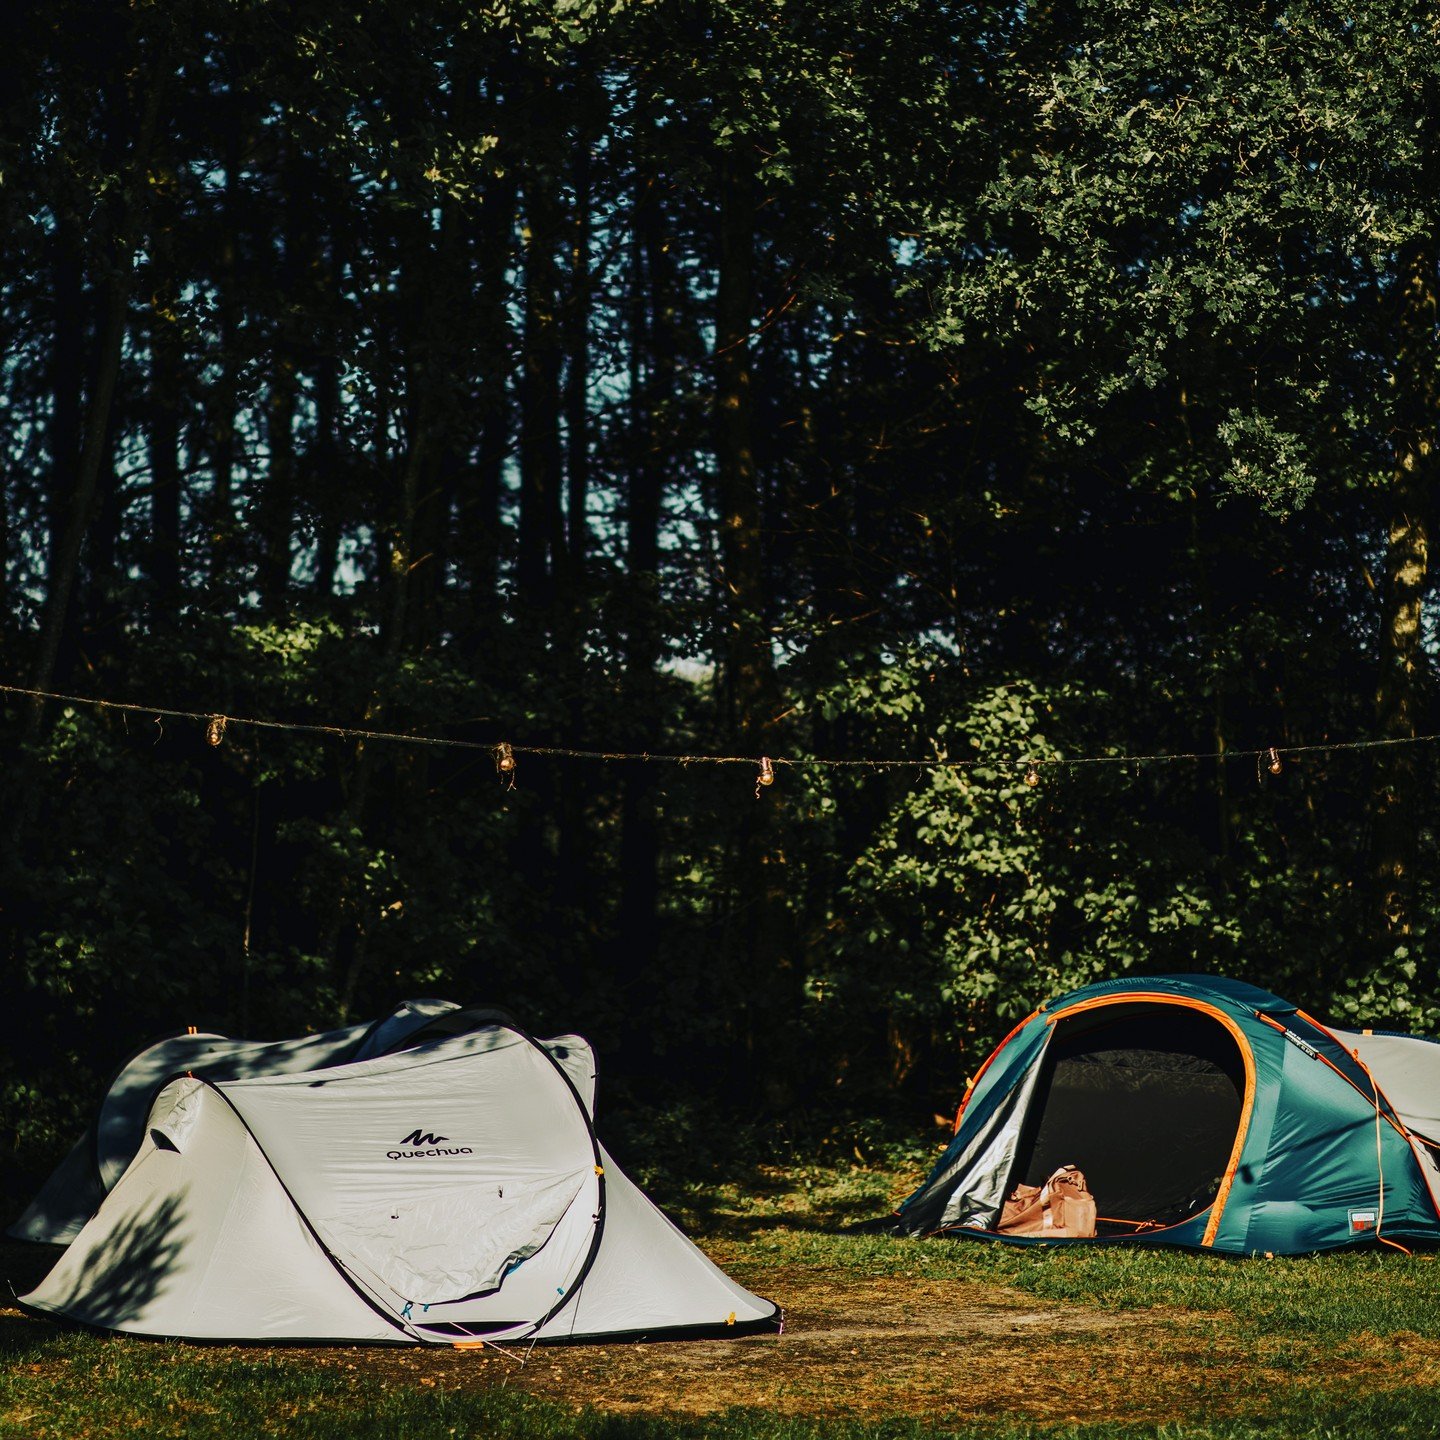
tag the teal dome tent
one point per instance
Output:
(1204, 1113)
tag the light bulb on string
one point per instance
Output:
(1032, 773)
(215, 729)
(1272, 761)
(505, 762)
(766, 775)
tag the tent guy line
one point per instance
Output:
(1268, 756)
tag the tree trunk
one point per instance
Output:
(577, 367)
(400, 549)
(164, 447)
(749, 665)
(540, 452)
(771, 992)
(224, 400)
(277, 490)
(99, 604)
(430, 279)
(541, 572)
(446, 281)
(67, 388)
(1399, 694)
(275, 511)
(61, 586)
(479, 522)
(652, 371)
(325, 482)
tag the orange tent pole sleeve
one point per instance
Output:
(975, 1079)
(1246, 1055)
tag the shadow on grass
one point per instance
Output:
(22, 1335)
(750, 1198)
(1410, 1412)
(733, 1177)
(23, 1266)
(1413, 1411)
(1295, 1416)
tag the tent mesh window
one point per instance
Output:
(1146, 1101)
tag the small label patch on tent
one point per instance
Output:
(1362, 1220)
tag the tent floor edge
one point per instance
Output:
(87, 1327)
(657, 1334)
(772, 1324)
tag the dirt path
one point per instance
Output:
(882, 1346)
(874, 1346)
(850, 1347)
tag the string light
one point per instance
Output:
(215, 729)
(1269, 757)
(767, 772)
(1032, 774)
(505, 763)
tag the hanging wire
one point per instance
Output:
(1269, 755)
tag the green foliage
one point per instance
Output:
(1077, 390)
(970, 895)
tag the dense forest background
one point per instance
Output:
(845, 379)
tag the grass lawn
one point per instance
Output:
(884, 1338)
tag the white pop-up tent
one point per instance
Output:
(88, 1173)
(452, 1193)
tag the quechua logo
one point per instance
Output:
(426, 1145)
